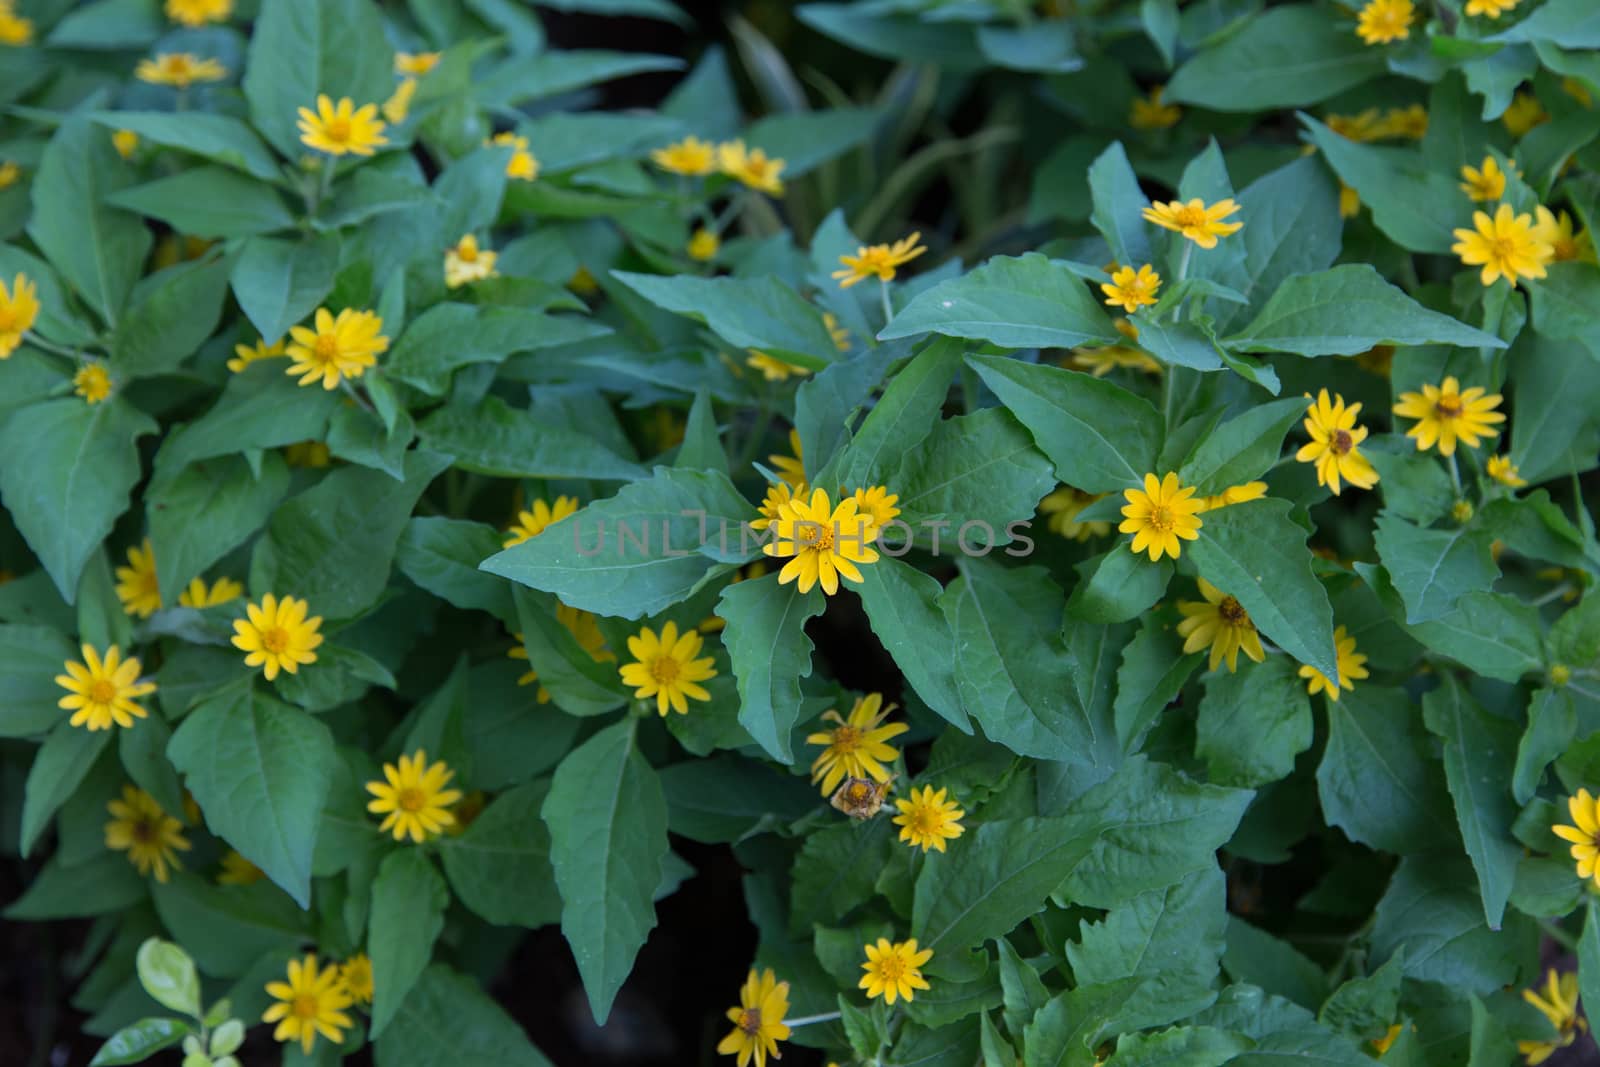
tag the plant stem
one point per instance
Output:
(888, 308)
(39, 342)
(825, 1017)
(1455, 474)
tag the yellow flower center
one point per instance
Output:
(925, 821)
(817, 536)
(1342, 442)
(846, 739)
(1232, 613)
(891, 968)
(1188, 216)
(1447, 407)
(275, 639)
(411, 799)
(857, 792)
(750, 1021)
(664, 669)
(467, 253)
(305, 1006)
(143, 831)
(1160, 518)
(327, 346)
(103, 691)
(338, 129)
(1502, 247)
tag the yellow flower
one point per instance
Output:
(758, 1020)
(823, 542)
(1234, 494)
(1132, 289)
(466, 262)
(1103, 360)
(356, 974)
(136, 583)
(92, 382)
(1524, 114)
(244, 355)
(1575, 88)
(1409, 122)
(19, 307)
(1381, 1044)
(878, 506)
(1349, 202)
(534, 522)
(773, 369)
(1502, 470)
(928, 820)
(878, 260)
(1584, 834)
(752, 166)
(179, 70)
(1366, 126)
(1506, 246)
(198, 596)
(312, 1001)
(1492, 8)
(126, 142)
(277, 635)
(1061, 508)
(310, 454)
(582, 625)
(236, 870)
(413, 798)
(1335, 445)
(1486, 184)
(147, 834)
(840, 335)
(103, 692)
(858, 746)
(665, 667)
(9, 173)
(583, 283)
(779, 494)
(15, 30)
(703, 245)
(1446, 413)
(1560, 1006)
(1384, 21)
(1350, 665)
(522, 165)
(341, 128)
(415, 65)
(337, 348)
(1556, 231)
(1160, 514)
(1149, 113)
(894, 970)
(1199, 223)
(1221, 624)
(199, 12)
(398, 106)
(791, 468)
(690, 156)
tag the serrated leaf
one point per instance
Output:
(765, 638)
(408, 902)
(1012, 301)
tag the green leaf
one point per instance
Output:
(1243, 448)
(98, 249)
(209, 201)
(359, 436)
(1073, 1024)
(1375, 782)
(1479, 756)
(1433, 569)
(449, 1021)
(1294, 229)
(526, 78)
(449, 336)
(1568, 23)
(278, 282)
(1119, 207)
(1180, 1046)
(1431, 912)
(608, 838)
(1117, 585)
(29, 657)
(1256, 553)
(206, 512)
(1589, 956)
(172, 314)
(1496, 635)
(1562, 299)
(1253, 723)
(408, 902)
(760, 313)
(766, 640)
(167, 973)
(902, 417)
(104, 885)
(1414, 205)
(66, 469)
(136, 1043)
(442, 555)
(229, 928)
(837, 870)
(58, 767)
(219, 138)
(578, 683)
(1101, 437)
(109, 24)
(981, 473)
(1365, 1006)
(805, 140)
(702, 443)
(1552, 726)
(903, 605)
(143, 750)
(334, 542)
(1551, 439)
(260, 770)
(1286, 57)
(1153, 671)
(1013, 301)
(499, 440)
(500, 866)
(727, 798)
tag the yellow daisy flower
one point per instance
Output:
(19, 307)
(523, 166)
(149, 836)
(93, 383)
(1132, 289)
(1335, 445)
(1199, 223)
(791, 468)
(244, 355)
(772, 368)
(1490, 8)
(535, 521)
(1524, 114)
(1559, 1005)
(1159, 515)
(1061, 514)
(1409, 122)
(198, 596)
(342, 128)
(690, 156)
(126, 142)
(466, 262)
(927, 820)
(1446, 413)
(1349, 202)
(102, 692)
(1584, 834)
(9, 173)
(703, 245)
(1102, 360)
(1361, 128)
(1557, 232)
(1488, 183)
(236, 870)
(179, 70)
(1380, 1045)
(1507, 246)
(15, 31)
(878, 260)
(878, 506)
(413, 799)
(1350, 664)
(1220, 623)
(840, 334)
(416, 65)
(857, 747)
(823, 542)
(356, 974)
(665, 667)
(779, 494)
(582, 625)
(136, 583)
(337, 348)
(1234, 494)
(1502, 470)
(758, 1020)
(311, 1002)
(894, 970)
(1385, 21)
(398, 105)
(753, 167)
(199, 12)
(277, 635)
(1150, 113)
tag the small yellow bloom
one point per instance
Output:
(1385, 21)
(790, 468)
(1335, 445)
(1557, 232)
(149, 836)
(1349, 202)
(1409, 122)
(1575, 88)
(858, 746)
(398, 106)
(1234, 494)
(102, 692)
(1559, 674)
(19, 307)
(1366, 126)
(466, 262)
(136, 583)
(778, 496)
(1160, 514)
(840, 335)
(894, 970)
(752, 166)
(1446, 413)
(1488, 183)
(1506, 246)
(413, 799)
(342, 347)
(197, 595)
(533, 522)
(1061, 510)
(522, 165)
(772, 368)
(311, 1002)
(341, 128)
(1583, 835)
(1221, 624)
(1132, 289)
(1462, 511)
(1560, 1006)
(244, 355)
(356, 974)
(758, 1020)
(1380, 1045)
(823, 543)
(199, 12)
(15, 31)
(583, 283)
(415, 65)
(1149, 113)
(582, 625)
(665, 667)
(92, 382)
(703, 245)
(1492, 8)
(690, 156)
(1102, 360)
(878, 260)
(878, 506)
(1350, 664)
(179, 70)
(236, 870)
(9, 173)
(927, 820)
(1199, 223)
(277, 635)
(1524, 114)
(1502, 470)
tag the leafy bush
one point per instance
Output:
(1141, 611)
